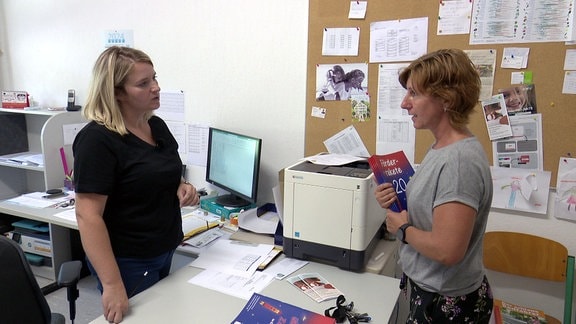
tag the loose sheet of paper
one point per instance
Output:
(454, 17)
(524, 190)
(340, 41)
(333, 159)
(34, 199)
(171, 105)
(233, 285)
(284, 267)
(565, 201)
(357, 9)
(263, 224)
(233, 257)
(347, 141)
(485, 62)
(398, 40)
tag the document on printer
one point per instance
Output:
(347, 141)
(333, 159)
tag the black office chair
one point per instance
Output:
(21, 299)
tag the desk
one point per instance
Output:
(174, 300)
(40, 214)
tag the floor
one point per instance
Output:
(89, 304)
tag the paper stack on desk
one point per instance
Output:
(36, 199)
(230, 267)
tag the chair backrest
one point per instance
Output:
(21, 299)
(530, 256)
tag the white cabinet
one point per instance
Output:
(45, 134)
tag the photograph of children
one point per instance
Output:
(339, 82)
(520, 99)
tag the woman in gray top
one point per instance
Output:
(448, 197)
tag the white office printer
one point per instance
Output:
(330, 213)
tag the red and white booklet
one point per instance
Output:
(396, 169)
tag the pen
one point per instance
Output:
(64, 163)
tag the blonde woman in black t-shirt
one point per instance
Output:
(128, 180)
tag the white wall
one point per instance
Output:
(242, 65)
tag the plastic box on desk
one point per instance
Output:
(210, 205)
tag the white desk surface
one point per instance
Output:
(39, 214)
(174, 300)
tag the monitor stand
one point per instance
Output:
(231, 200)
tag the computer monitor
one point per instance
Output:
(233, 164)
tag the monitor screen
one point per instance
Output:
(233, 164)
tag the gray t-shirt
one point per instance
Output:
(456, 173)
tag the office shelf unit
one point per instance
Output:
(45, 135)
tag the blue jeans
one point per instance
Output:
(139, 274)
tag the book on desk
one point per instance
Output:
(197, 222)
(263, 309)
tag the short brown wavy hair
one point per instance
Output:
(450, 75)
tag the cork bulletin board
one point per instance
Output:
(546, 61)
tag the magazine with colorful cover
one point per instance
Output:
(506, 313)
(264, 310)
(315, 286)
(396, 169)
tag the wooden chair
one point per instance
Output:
(515, 253)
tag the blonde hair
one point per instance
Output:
(109, 76)
(450, 75)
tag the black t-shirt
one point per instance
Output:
(142, 212)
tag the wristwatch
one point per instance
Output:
(402, 232)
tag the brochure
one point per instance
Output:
(394, 168)
(264, 310)
(315, 286)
